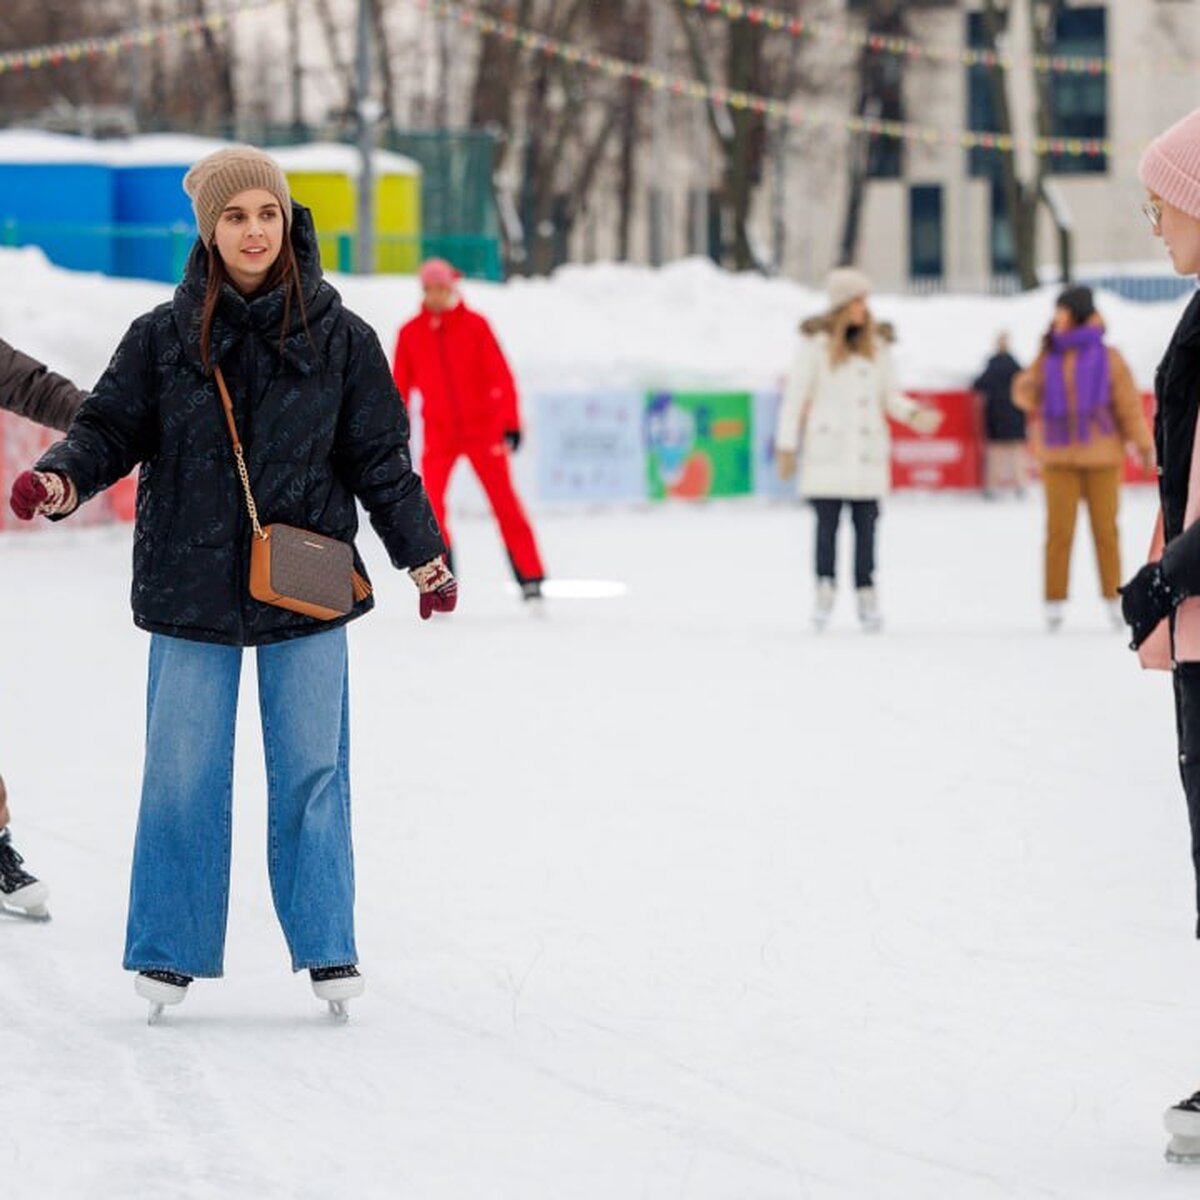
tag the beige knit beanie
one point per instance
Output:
(214, 180)
(844, 284)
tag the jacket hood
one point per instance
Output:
(303, 340)
(885, 331)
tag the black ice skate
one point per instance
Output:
(160, 988)
(532, 595)
(1183, 1124)
(338, 986)
(22, 894)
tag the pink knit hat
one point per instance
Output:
(437, 272)
(1171, 165)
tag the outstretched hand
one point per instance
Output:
(41, 492)
(437, 586)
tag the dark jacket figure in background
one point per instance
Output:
(1003, 423)
(322, 427)
(29, 390)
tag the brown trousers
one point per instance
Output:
(3, 805)
(1100, 489)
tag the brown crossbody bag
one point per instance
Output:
(295, 568)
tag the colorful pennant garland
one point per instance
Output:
(904, 47)
(61, 53)
(790, 112)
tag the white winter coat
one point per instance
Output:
(837, 416)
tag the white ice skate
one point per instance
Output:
(28, 901)
(337, 986)
(869, 615)
(21, 894)
(1183, 1124)
(161, 988)
(1055, 611)
(823, 610)
(1115, 619)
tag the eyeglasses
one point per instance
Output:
(1152, 211)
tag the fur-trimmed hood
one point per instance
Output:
(823, 323)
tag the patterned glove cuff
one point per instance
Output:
(60, 494)
(431, 575)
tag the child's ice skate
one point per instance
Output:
(22, 894)
(161, 988)
(338, 986)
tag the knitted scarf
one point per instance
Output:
(1092, 404)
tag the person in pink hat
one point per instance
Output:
(449, 354)
(1165, 623)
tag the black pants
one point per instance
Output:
(1187, 723)
(864, 514)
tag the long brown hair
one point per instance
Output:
(284, 270)
(846, 339)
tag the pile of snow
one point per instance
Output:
(606, 326)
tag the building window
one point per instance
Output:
(925, 232)
(885, 80)
(981, 107)
(1079, 103)
(1004, 249)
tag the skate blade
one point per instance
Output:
(339, 1010)
(156, 1011)
(38, 912)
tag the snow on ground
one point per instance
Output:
(608, 326)
(660, 896)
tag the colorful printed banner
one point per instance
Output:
(589, 447)
(698, 444)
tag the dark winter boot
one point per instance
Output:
(19, 890)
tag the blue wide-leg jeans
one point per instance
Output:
(179, 892)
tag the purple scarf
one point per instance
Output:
(1092, 402)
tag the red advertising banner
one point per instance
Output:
(953, 457)
(950, 458)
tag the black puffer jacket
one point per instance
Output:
(321, 423)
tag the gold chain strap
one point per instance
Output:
(227, 401)
(241, 466)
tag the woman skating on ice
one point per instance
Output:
(314, 406)
(841, 391)
(1166, 624)
(1087, 409)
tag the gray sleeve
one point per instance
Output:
(28, 389)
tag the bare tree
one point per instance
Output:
(879, 80)
(1023, 196)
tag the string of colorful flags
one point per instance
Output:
(113, 45)
(786, 111)
(906, 47)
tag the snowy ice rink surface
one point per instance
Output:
(660, 896)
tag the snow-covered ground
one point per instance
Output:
(661, 896)
(687, 326)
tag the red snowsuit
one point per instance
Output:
(468, 404)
